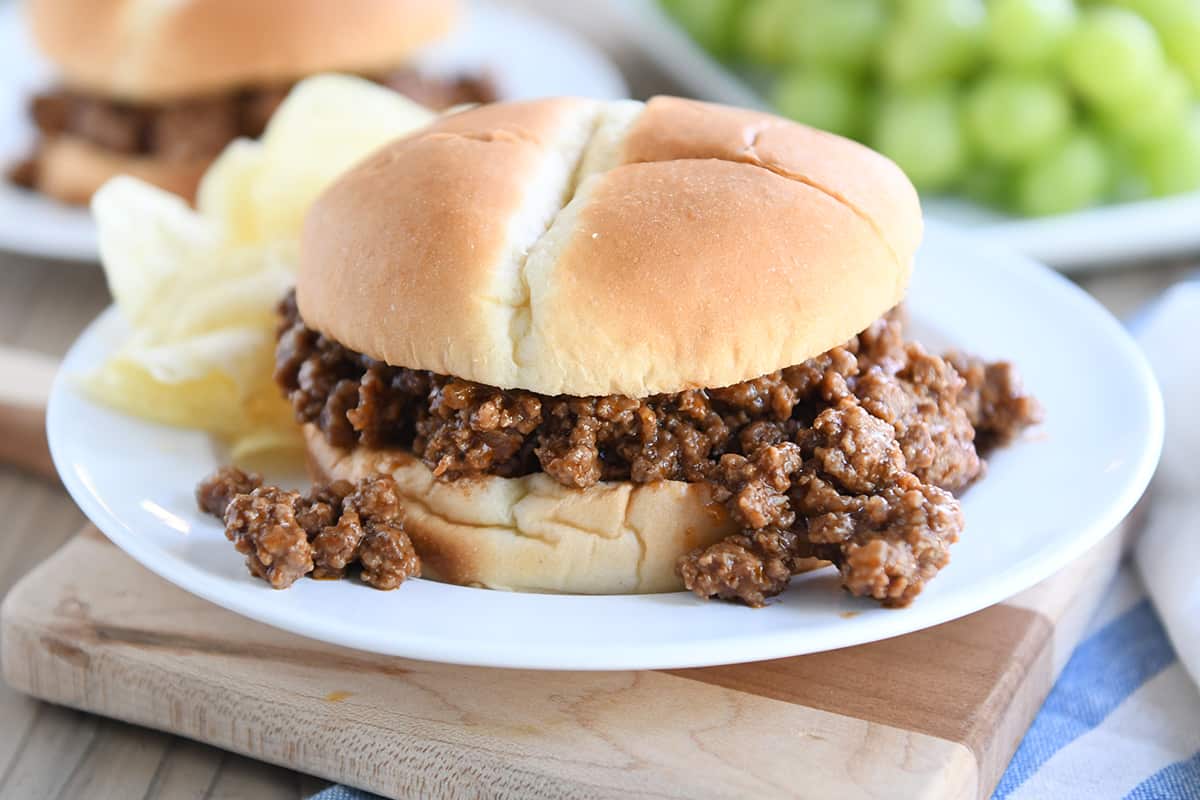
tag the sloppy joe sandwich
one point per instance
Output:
(157, 90)
(622, 347)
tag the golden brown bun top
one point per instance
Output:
(577, 247)
(148, 50)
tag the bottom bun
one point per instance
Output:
(532, 534)
(71, 169)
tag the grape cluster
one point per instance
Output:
(1035, 106)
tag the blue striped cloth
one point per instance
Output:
(1123, 720)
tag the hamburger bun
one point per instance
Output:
(71, 169)
(532, 533)
(578, 247)
(148, 52)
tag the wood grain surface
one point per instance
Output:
(935, 714)
(24, 389)
(48, 751)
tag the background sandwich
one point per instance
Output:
(157, 91)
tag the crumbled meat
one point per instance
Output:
(749, 566)
(388, 557)
(666, 437)
(994, 400)
(851, 457)
(842, 494)
(440, 93)
(113, 126)
(754, 489)
(473, 429)
(256, 106)
(214, 493)
(322, 506)
(352, 398)
(192, 130)
(461, 428)
(571, 451)
(262, 526)
(882, 344)
(51, 112)
(23, 173)
(199, 128)
(761, 433)
(767, 397)
(285, 535)
(886, 545)
(337, 545)
(921, 401)
(376, 498)
(332, 494)
(855, 449)
(334, 416)
(377, 408)
(822, 378)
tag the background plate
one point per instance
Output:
(1092, 239)
(526, 55)
(1044, 502)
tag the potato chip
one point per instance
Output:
(147, 238)
(199, 287)
(261, 190)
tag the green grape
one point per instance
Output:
(1178, 25)
(1153, 10)
(1073, 175)
(710, 22)
(835, 33)
(1027, 33)
(988, 185)
(1012, 118)
(821, 98)
(1127, 180)
(1182, 41)
(1149, 115)
(1172, 164)
(920, 131)
(762, 33)
(1112, 55)
(933, 40)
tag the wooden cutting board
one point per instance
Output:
(935, 714)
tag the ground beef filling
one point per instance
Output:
(285, 535)
(194, 129)
(853, 456)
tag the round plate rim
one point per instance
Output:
(602, 656)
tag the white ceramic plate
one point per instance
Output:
(1045, 500)
(1093, 239)
(527, 56)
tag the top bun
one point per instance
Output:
(578, 247)
(152, 51)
